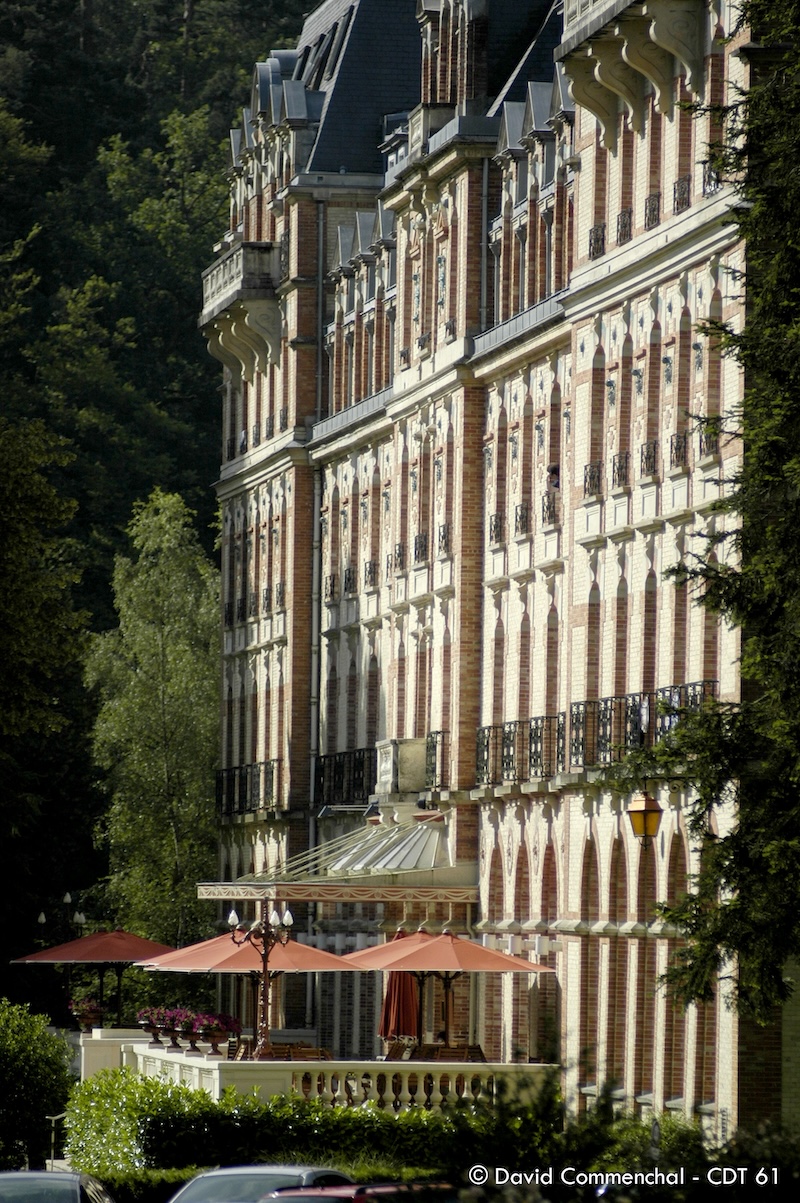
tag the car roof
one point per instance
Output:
(268, 1168)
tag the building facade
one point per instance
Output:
(470, 414)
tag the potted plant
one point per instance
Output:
(88, 1013)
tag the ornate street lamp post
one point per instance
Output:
(263, 935)
(644, 813)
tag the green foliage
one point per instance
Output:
(146, 1186)
(34, 1070)
(156, 729)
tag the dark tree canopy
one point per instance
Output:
(113, 120)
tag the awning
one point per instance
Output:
(382, 862)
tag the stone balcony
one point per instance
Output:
(241, 315)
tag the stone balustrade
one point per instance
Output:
(389, 1085)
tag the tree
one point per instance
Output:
(34, 1069)
(742, 917)
(156, 732)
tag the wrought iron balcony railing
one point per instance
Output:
(678, 450)
(496, 528)
(349, 581)
(421, 548)
(247, 788)
(240, 609)
(489, 755)
(345, 777)
(521, 518)
(549, 508)
(712, 181)
(521, 750)
(681, 193)
(283, 419)
(371, 574)
(280, 596)
(252, 605)
(443, 544)
(329, 588)
(593, 479)
(605, 730)
(597, 240)
(652, 210)
(270, 426)
(676, 698)
(649, 458)
(547, 749)
(709, 442)
(624, 226)
(399, 557)
(619, 469)
(227, 612)
(436, 760)
(266, 600)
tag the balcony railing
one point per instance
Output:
(399, 557)
(280, 596)
(597, 240)
(283, 419)
(678, 450)
(495, 528)
(649, 458)
(593, 479)
(329, 588)
(436, 760)
(443, 545)
(605, 730)
(549, 508)
(252, 605)
(227, 611)
(521, 750)
(245, 268)
(230, 448)
(266, 599)
(521, 519)
(421, 548)
(711, 180)
(271, 426)
(240, 609)
(489, 755)
(676, 698)
(681, 193)
(709, 442)
(619, 469)
(371, 574)
(652, 210)
(547, 750)
(345, 777)
(624, 226)
(248, 788)
(349, 581)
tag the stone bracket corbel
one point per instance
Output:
(650, 60)
(587, 91)
(678, 27)
(619, 77)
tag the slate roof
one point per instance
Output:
(355, 61)
(541, 32)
